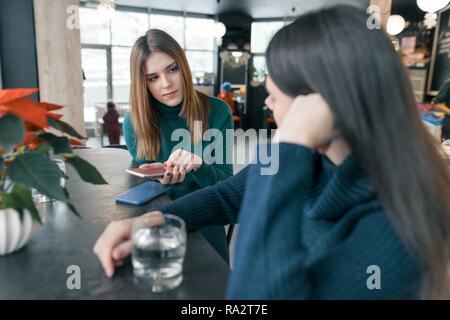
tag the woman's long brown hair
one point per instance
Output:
(146, 123)
(360, 75)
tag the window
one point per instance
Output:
(126, 27)
(200, 61)
(200, 49)
(199, 34)
(106, 48)
(94, 27)
(259, 70)
(261, 34)
(121, 73)
(95, 86)
(173, 25)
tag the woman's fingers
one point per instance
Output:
(150, 165)
(122, 250)
(174, 158)
(309, 122)
(115, 233)
(190, 167)
(166, 178)
(175, 175)
(182, 175)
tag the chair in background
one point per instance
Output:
(230, 234)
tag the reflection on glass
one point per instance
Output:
(199, 34)
(173, 25)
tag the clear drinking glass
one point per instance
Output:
(39, 197)
(159, 246)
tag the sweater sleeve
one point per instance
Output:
(214, 205)
(130, 138)
(271, 262)
(209, 174)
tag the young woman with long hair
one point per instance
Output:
(164, 109)
(360, 206)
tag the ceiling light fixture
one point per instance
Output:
(395, 25)
(432, 6)
(219, 29)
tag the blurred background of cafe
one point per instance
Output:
(77, 52)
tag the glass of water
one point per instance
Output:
(159, 246)
(39, 197)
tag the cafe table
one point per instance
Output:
(61, 247)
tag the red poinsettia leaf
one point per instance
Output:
(30, 138)
(32, 127)
(74, 142)
(27, 110)
(8, 95)
(54, 115)
(50, 106)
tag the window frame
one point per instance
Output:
(149, 12)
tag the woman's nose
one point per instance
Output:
(166, 83)
(268, 103)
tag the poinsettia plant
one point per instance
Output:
(28, 144)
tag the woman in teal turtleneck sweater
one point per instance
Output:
(206, 174)
(172, 123)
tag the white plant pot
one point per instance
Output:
(14, 233)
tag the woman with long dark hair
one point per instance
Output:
(360, 206)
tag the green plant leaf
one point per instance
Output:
(71, 206)
(19, 199)
(10, 202)
(36, 170)
(42, 148)
(64, 127)
(86, 170)
(12, 131)
(59, 144)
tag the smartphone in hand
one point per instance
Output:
(154, 171)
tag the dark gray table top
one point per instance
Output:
(39, 270)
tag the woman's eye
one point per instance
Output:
(174, 69)
(152, 79)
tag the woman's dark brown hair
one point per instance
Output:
(360, 75)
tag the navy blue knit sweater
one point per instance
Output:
(309, 232)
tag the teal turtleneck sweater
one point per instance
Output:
(220, 118)
(312, 231)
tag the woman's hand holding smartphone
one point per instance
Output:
(153, 171)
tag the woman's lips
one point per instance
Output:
(170, 94)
